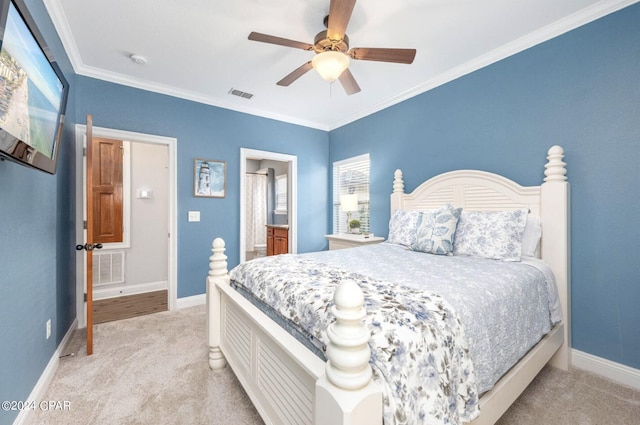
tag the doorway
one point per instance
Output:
(142, 195)
(248, 160)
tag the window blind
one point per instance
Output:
(351, 177)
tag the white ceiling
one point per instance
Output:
(198, 49)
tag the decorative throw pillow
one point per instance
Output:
(436, 231)
(402, 227)
(495, 235)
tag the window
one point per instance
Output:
(281, 194)
(351, 177)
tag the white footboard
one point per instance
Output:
(285, 381)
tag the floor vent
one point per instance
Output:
(108, 267)
(242, 94)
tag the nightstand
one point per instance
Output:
(345, 240)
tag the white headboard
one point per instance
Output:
(483, 191)
(469, 189)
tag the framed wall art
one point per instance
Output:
(209, 178)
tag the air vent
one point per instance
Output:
(242, 94)
(108, 267)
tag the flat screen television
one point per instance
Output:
(33, 92)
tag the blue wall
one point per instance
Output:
(581, 91)
(209, 132)
(37, 266)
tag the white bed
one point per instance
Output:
(289, 384)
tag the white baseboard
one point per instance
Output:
(38, 392)
(616, 372)
(191, 301)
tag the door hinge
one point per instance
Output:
(84, 224)
(84, 151)
(85, 297)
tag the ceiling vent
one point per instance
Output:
(242, 94)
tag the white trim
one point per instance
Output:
(130, 136)
(100, 293)
(39, 390)
(292, 193)
(616, 372)
(582, 17)
(191, 301)
(357, 158)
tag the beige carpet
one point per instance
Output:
(147, 370)
(153, 370)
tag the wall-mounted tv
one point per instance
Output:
(33, 92)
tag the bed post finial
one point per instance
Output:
(217, 272)
(218, 261)
(398, 191)
(348, 351)
(398, 183)
(346, 395)
(555, 168)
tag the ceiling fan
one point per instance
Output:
(332, 50)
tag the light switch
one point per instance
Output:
(194, 215)
(145, 194)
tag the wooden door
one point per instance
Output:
(89, 243)
(104, 206)
(269, 241)
(280, 241)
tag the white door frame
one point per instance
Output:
(292, 193)
(108, 133)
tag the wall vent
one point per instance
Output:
(239, 93)
(108, 267)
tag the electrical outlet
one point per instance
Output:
(48, 328)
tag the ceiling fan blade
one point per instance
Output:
(339, 15)
(348, 82)
(383, 55)
(299, 72)
(271, 39)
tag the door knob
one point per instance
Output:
(89, 246)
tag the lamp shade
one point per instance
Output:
(349, 203)
(330, 64)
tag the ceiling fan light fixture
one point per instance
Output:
(330, 64)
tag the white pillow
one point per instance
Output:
(531, 237)
(496, 235)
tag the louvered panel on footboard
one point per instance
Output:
(297, 400)
(281, 390)
(238, 335)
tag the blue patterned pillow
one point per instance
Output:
(436, 231)
(495, 235)
(402, 227)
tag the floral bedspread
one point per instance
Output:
(419, 351)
